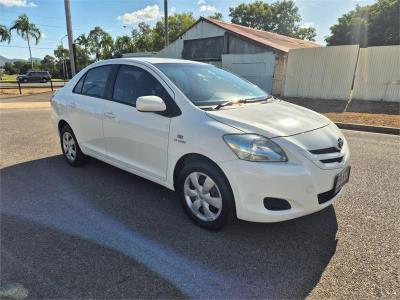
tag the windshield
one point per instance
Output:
(208, 85)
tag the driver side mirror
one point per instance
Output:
(150, 104)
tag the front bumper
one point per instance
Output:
(297, 184)
(299, 181)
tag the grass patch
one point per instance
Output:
(366, 119)
(6, 77)
(25, 91)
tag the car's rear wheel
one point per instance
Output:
(44, 80)
(70, 148)
(205, 194)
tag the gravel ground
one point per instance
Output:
(99, 232)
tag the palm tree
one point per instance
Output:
(83, 41)
(5, 35)
(27, 31)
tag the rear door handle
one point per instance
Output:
(110, 115)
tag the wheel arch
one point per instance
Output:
(61, 124)
(190, 157)
(196, 156)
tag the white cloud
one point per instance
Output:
(308, 25)
(149, 13)
(200, 2)
(206, 7)
(18, 3)
(173, 10)
(43, 36)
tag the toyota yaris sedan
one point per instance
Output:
(227, 147)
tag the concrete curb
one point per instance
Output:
(369, 128)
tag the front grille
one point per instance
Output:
(325, 150)
(328, 155)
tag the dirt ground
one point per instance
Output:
(366, 119)
(25, 91)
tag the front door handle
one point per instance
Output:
(110, 115)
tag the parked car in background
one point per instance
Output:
(35, 76)
(226, 146)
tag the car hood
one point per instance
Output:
(271, 119)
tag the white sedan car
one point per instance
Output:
(228, 148)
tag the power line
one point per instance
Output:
(25, 47)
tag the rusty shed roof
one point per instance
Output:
(266, 38)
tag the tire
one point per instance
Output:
(44, 80)
(25, 80)
(70, 147)
(202, 205)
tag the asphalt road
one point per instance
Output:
(99, 232)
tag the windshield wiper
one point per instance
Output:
(249, 100)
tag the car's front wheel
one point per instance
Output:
(205, 194)
(70, 148)
(44, 80)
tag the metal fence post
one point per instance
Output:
(19, 87)
(51, 84)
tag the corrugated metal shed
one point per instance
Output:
(321, 73)
(378, 74)
(198, 31)
(266, 38)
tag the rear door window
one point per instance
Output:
(96, 81)
(79, 85)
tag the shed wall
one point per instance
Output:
(378, 74)
(256, 68)
(321, 73)
(199, 31)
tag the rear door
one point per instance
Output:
(133, 139)
(86, 108)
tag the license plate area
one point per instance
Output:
(341, 179)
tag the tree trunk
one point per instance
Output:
(30, 53)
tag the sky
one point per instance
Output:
(112, 15)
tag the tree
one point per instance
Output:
(82, 58)
(177, 24)
(19, 67)
(370, 25)
(384, 23)
(142, 38)
(62, 56)
(27, 31)
(48, 63)
(217, 16)
(281, 17)
(5, 35)
(83, 41)
(100, 43)
(306, 33)
(123, 44)
(352, 28)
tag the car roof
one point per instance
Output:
(152, 60)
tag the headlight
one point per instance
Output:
(255, 147)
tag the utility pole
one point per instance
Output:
(63, 60)
(70, 37)
(166, 22)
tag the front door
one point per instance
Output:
(137, 140)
